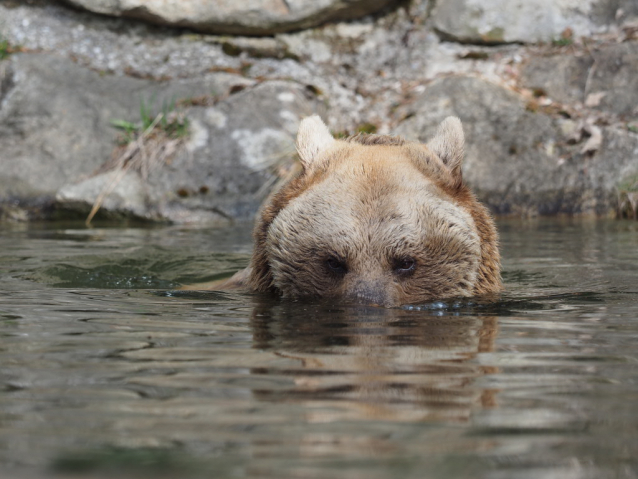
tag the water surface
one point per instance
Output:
(107, 370)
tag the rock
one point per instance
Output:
(372, 58)
(126, 198)
(519, 161)
(52, 128)
(561, 77)
(622, 12)
(603, 78)
(55, 133)
(248, 17)
(55, 107)
(522, 21)
(228, 166)
(233, 158)
(615, 163)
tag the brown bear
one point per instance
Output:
(375, 219)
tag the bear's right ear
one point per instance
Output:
(313, 139)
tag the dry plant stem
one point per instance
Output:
(633, 203)
(136, 145)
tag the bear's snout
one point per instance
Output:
(370, 292)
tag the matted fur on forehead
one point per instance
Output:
(364, 139)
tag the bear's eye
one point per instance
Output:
(336, 266)
(404, 266)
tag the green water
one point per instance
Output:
(107, 371)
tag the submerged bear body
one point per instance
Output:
(375, 219)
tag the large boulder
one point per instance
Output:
(56, 134)
(524, 162)
(53, 128)
(526, 21)
(248, 17)
(602, 77)
(238, 151)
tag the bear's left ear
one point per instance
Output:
(449, 144)
(313, 139)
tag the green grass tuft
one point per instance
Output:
(7, 49)
(4, 49)
(562, 42)
(167, 123)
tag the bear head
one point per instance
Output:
(378, 220)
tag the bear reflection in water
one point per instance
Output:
(359, 362)
(374, 219)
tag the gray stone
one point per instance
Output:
(368, 73)
(55, 132)
(248, 17)
(602, 77)
(606, 12)
(614, 164)
(561, 77)
(52, 128)
(233, 159)
(55, 116)
(366, 67)
(613, 77)
(126, 196)
(518, 161)
(522, 21)
(229, 164)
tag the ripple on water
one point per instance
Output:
(106, 366)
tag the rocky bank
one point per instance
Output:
(547, 91)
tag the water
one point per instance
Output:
(107, 371)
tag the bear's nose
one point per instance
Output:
(369, 292)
